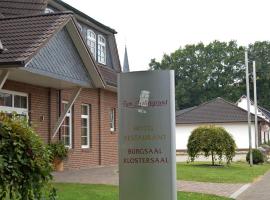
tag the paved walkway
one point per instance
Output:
(259, 190)
(109, 175)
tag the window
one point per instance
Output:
(112, 119)
(66, 129)
(49, 10)
(11, 101)
(85, 133)
(101, 49)
(91, 41)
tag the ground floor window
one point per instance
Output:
(66, 129)
(112, 119)
(85, 126)
(11, 101)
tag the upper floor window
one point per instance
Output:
(49, 10)
(91, 41)
(101, 49)
(11, 101)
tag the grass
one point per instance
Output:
(238, 172)
(72, 191)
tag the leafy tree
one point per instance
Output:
(204, 72)
(212, 141)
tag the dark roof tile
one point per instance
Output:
(109, 75)
(23, 36)
(26, 7)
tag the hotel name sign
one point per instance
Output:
(147, 168)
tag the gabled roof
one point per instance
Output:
(23, 36)
(76, 11)
(22, 7)
(215, 111)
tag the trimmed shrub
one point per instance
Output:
(25, 169)
(257, 157)
(212, 141)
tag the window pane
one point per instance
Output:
(66, 140)
(20, 101)
(84, 122)
(84, 131)
(5, 99)
(84, 141)
(66, 122)
(84, 110)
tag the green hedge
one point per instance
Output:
(25, 169)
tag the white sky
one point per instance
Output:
(151, 28)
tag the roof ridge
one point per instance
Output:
(36, 15)
(202, 104)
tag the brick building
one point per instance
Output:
(58, 68)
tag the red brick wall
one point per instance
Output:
(109, 140)
(44, 112)
(38, 99)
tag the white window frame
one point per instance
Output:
(92, 40)
(20, 111)
(112, 119)
(88, 126)
(101, 47)
(69, 114)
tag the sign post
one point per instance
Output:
(147, 154)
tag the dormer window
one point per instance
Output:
(101, 49)
(91, 41)
(49, 10)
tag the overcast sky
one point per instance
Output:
(151, 28)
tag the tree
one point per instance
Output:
(204, 72)
(212, 141)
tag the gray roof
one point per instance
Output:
(180, 112)
(215, 111)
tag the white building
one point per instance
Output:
(263, 130)
(217, 112)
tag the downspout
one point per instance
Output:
(49, 115)
(59, 111)
(99, 127)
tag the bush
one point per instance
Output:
(25, 169)
(211, 140)
(257, 158)
(57, 151)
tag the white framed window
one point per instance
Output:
(66, 129)
(49, 10)
(11, 101)
(112, 119)
(91, 41)
(85, 130)
(101, 49)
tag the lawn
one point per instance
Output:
(238, 172)
(106, 192)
